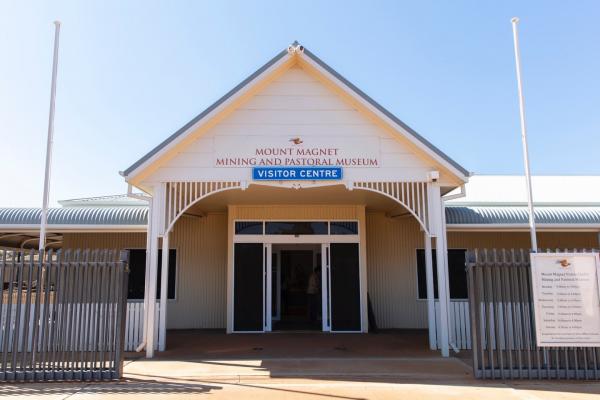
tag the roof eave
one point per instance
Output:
(458, 168)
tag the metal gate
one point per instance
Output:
(62, 314)
(503, 328)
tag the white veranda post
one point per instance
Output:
(146, 276)
(430, 293)
(164, 283)
(437, 228)
(156, 221)
(450, 326)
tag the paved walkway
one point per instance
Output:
(289, 388)
(363, 369)
(386, 366)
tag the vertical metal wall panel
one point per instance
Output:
(201, 245)
(54, 323)
(201, 276)
(392, 271)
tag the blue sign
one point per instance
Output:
(297, 173)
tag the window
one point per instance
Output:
(343, 227)
(137, 274)
(296, 228)
(249, 228)
(456, 272)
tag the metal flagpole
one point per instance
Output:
(515, 22)
(44, 220)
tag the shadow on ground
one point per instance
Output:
(125, 387)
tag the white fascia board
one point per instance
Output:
(452, 203)
(73, 228)
(223, 105)
(523, 227)
(386, 119)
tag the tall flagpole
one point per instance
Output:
(515, 22)
(49, 142)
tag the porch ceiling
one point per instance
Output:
(269, 195)
(25, 240)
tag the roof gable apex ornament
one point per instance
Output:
(295, 48)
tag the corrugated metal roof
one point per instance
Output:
(487, 215)
(127, 215)
(455, 215)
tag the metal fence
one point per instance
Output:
(503, 326)
(62, 314)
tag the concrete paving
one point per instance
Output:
(371, 369)
(267, 389)
(200, 344)
(216, 366)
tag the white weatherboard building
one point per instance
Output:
(297, 179)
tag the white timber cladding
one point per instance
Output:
(295, 104)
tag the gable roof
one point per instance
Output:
(286, 53)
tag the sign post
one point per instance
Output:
(49, 142)
(515, 22)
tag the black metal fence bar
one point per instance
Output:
(503, 324)
(62, 314)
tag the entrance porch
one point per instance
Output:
(260, 218)
(216, 344)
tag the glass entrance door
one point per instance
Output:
(296, 287)
(341, 286)
(251, 287)
(299, 275)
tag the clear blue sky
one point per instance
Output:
(133, 72)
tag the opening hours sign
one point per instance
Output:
(566, 299)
